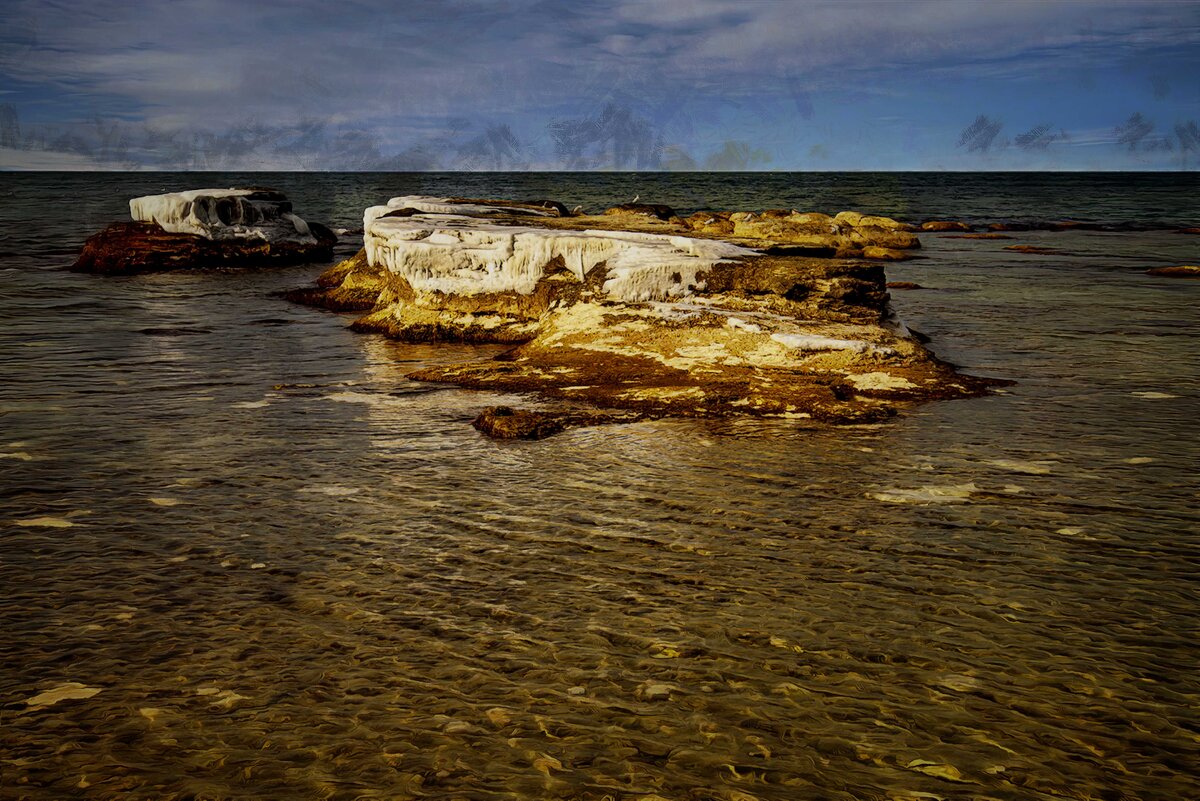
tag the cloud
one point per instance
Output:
(701, 72)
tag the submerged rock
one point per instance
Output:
(504, 422)
(206, 228)
(1182, 271)
(980, 236)
(944, 225)
(1036, 250)
(626, 315)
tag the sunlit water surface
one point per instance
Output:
(278, 569)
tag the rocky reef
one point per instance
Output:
(206, 228)
(638, 312)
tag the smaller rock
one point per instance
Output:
(944, 225)
(206, 228)
(903, 285)
(1182, 271)
(505, 422)
(1190, 230)
(577, 691)
(1009, 226)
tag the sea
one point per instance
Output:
(242, 556)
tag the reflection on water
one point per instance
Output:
(244, 557)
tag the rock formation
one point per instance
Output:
(638, 312)
(206, 228)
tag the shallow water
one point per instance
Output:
(288, 572)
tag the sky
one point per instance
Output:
(605, 84)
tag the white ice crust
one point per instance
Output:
(199, 212)
(444, 249)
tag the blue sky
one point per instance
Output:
(624, 84)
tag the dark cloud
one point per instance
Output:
(1134, 131)
(980, 135)
(1040, 137)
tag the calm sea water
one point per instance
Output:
(288, 572)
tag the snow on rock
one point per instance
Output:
(223, 214)
(447, 247)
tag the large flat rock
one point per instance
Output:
(638, 312)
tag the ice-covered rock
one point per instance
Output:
(632, 314)
(444, 249)
(206, 228)
(224, 214)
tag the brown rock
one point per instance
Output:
(944, 225)
(1182, 271)
(885, 254)
(875, 221)
(350, 285)
(504, 422)
(903, 285)
(1194, 230)
(1033, 250)
(135, 247)
(867, 235)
